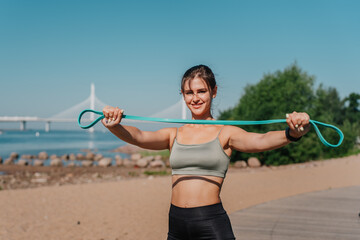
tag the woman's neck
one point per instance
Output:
(203, 117)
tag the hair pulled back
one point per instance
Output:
(200, 71)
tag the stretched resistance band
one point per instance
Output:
(217, 122)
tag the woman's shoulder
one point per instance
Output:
(230, 127)
(229, 130)
(170, 130)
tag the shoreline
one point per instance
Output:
(28, 177)
(15, 176)
(58, 142)
(31, 171)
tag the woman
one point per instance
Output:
(200, 155)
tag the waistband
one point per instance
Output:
(197, 212)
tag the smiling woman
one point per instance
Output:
(198, 87)
(199, 156)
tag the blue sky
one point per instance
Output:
(136, 51)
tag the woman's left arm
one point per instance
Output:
(244, 141)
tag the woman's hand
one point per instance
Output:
(157, 140)
(298, 124)
(113, 116)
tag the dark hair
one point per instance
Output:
(201, 71)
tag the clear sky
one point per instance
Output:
(136, 51)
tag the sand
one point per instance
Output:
(137, 208)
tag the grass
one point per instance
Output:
(162, 153)
(133, 174)
(354, 151)
(157, 173)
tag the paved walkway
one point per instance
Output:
(326, 215)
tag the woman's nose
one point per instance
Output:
(196, 97)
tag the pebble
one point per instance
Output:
(39, 180)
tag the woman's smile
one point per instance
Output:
(198, 98)
(196, 105)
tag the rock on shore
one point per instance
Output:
(254, 162)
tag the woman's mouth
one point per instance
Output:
(196, 106)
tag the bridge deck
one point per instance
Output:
(330, 214)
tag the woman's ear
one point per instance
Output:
(214, 92)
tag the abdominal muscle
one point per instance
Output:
(195, 192)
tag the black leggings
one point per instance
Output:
(199, 223)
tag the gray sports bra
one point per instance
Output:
(205, 159)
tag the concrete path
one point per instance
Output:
(326, 215)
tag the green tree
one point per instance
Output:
(293, 90)
(327, 106)
(352, 111)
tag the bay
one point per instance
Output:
(58, 142)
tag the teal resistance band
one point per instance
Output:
(217, 122)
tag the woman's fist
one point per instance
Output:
(298, 123)
(113, 116)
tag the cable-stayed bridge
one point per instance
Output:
(177, 110)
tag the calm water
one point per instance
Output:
(57, 142)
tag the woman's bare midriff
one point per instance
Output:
(195, 192)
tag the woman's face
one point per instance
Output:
(198, 97)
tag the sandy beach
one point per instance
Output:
(137, 208)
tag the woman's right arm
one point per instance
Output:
(157, 140)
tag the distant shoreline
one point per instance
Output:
(57, 142)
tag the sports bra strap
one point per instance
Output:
(220, 131)
(177, 129)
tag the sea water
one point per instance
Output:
(58, 142)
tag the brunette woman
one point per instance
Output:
(200, 155)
